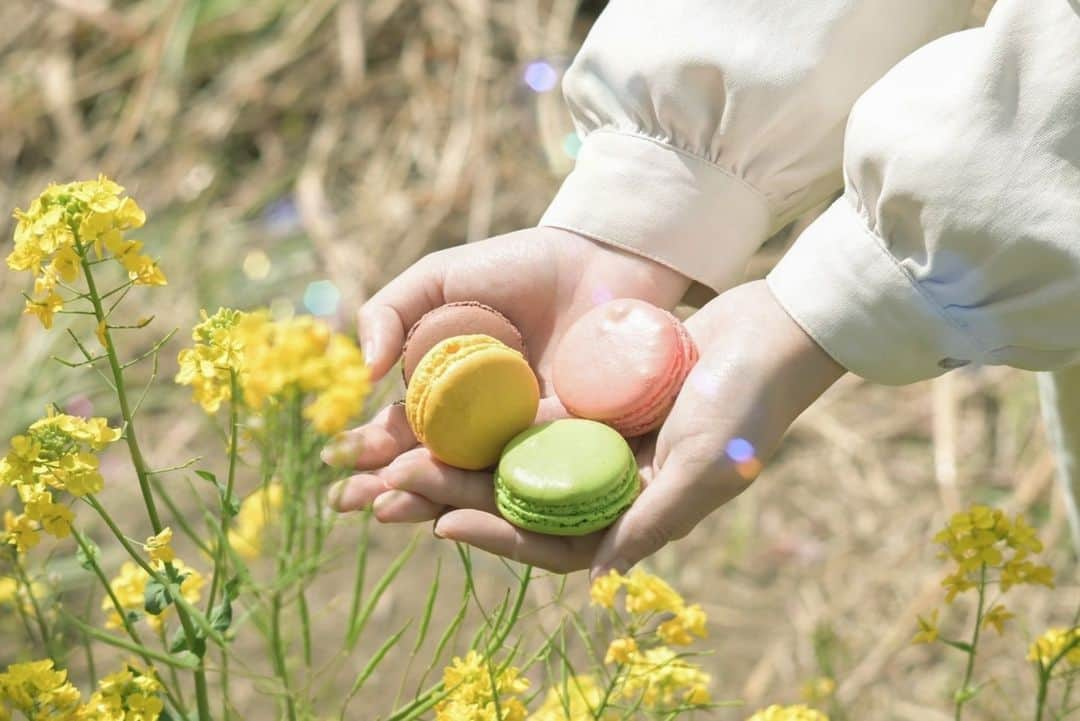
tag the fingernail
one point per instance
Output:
(341, 452)
(333, 496)
(367, 346)
(600, 570)
(435, 530)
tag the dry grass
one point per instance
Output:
(347, 138)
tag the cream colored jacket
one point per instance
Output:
(707, 125)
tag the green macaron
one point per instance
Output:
(566, 478)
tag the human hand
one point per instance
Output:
(758, 371)
(543, 279)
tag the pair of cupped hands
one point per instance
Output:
(757, 372)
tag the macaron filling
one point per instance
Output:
(569, 519)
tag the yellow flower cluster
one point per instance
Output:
(39, 691)
(57, 452)
(257, 511)
(159, 547)
(218, 351)
(1053, 643)
(129, 587)
(984, 537)
(647, 593)
(54, 235)
(472, 697)
(664, 680)
(788, 713)
(273, 359)
(128, 695)
(578, 699)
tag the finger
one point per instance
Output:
(420, 473)
(560, 554)
(374, 444)
(355, 493)
(366, 490)
(404, 507)
(551, 409)
(669, 507)
(388, 315)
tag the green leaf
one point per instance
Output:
(87, 560)
(180, 644)
(157, 598)
(958, 645)
(221, 615)
(208, 476)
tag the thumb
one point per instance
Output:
(665, 510)
(386, 317)
(681, 495)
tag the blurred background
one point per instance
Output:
(300, 153)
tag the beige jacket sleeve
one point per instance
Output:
(957, 239)
(708, 124)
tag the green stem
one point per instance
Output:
(124, 620)
(43, 627)
(139, 462)
(962, 696)
(226, 502)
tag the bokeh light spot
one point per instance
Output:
(704, 381)
(281, 217)
(79, 405)
(740, 450)
(282, 309)
(602, 294)
(256, 265)
(749, 470)
(540, 76)
(321, 298)
(571, 144)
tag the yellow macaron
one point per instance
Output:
(468, 397)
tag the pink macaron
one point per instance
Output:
(623, 363)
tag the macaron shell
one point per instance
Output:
(566, 477)
(623, 363)
(469, 397)
(456, 319)
(656, 406)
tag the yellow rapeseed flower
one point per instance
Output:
(664, 680)
(273, 360)
(928, 628)
(689, 621)
(159, 547)
(646, 592)
(472, 697)
(621, 650)
(1051, 644)
(128, 695)
(257, 511)
(56, 232)
(603, 589)
(997, 617)
(578, 699)
(129, 587)
(39, 691)
(20, 531)
(788, 713)
(983, 540)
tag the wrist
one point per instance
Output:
(627, 272)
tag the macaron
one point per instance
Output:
(567, 477)
(623, 363)
(453, 319)
(469, 395)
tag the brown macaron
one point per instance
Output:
(467, 317)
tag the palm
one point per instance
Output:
(543, 279)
